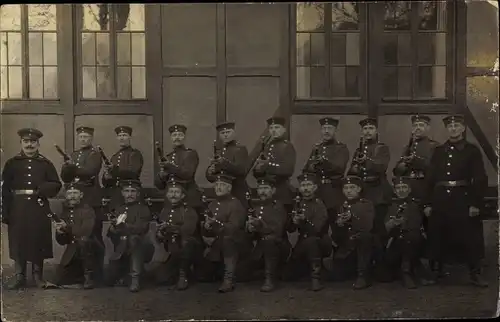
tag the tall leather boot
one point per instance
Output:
(37, 271)
(229, 267)
(88, 284)
(316, 275)
(438, 269)
(406, 277)
(475, 276)
(269, 272)
(183, 282)
(20, 276)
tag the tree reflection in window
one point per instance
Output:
(113, 51)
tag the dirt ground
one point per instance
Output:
(452, 299)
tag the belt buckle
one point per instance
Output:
(413, 175)
(452, 183)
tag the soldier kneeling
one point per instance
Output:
(129, 225)
(352, 234)
(75, 229)
(178, 232)
(310, 219)
(403, 225)
(266, 225)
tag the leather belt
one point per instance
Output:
(456, 183)
(27, 192)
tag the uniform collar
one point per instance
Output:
(232, 142)
(128, 147)
(353, 201)
(371, 141)
(330, 142)
(458, 144)
(180, 147)
(225, 197)
(85, 148)
(132, 203)
(22, 155)
(69, 207)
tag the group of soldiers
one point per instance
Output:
(370, 229)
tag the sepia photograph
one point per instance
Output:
(249, 161)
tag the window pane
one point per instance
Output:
(352, 49)
(14, 48)
(432, 15)
(50, 48)
(35, 49)
(102, 46)
(404, 82)
(337, 53)
(4, 83)
(397, 82)
(317, 49)
(397, 49)
(50, 82)
(10, 17)
(124, 81)
(3, 48)
(88, 49)
(482, 34)
(310, 16)
(319, 82)
(138, 49)
(138, 82)
(391, 49)
(397, 15)
(353, 82)
(338, 82)
(42, 17)
(303, 47)
(95, 17)
(303, 82)
(123, 48)
(345, 16)
(15, 82)
(104, 85)
(432, 82)
(135, 18)
(89, 82)
(432, 48)
(36, 82)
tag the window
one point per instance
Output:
(328, 55)
(112, 51)
(415, 42)
(32, 30)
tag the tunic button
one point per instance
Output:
(448, 190)
(448, 173)
(29, 167)
(450, 156)
(29, 182)
(448, 164)
(29, 174)
(29, 160)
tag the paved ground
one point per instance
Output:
(336, 301)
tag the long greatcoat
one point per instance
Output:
(29, 227)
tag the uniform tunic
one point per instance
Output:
(29, 227)
(281, 155)
(456, 181)
(85, 169)
(417, 167)
(184, 169)
(127, 165)
(182, 221)
(234, 162)
(335, 155)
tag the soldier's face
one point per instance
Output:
(276, 130)
(307, 188)
(175, 195)
(402, 190)
(130, 194)
(84, 139)
(222, 188)
(226, 135)
(420, 129)
(29, 146)
(177, 138)
(265, 191)
(328, 132)
(369, 131)
(73, 196)
(455, 130)
(123, 139)
(351, 191)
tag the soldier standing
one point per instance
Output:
(29, 180)
(181, 164)
(266, 224)
(126, 164)
(127, 233)
(310, 218)
(457, 183)
(231, 159)
(75, 230)
(353, 234)
(178, 232)
(328, 160)
(224, 233)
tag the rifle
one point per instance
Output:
(65, 156)
(252, 217)
(159, 151)
(314, 160)
(65, 237)
(296, 206)
(361, 152)
(207, 213)
(399, 232)
(104, 157)
(119, 242)
(410, 151)
(265, 140)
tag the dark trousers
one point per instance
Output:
(352, 258)
(82, 263)
(306, 252)
(402, 254)
(270, 254)
(131, 262)
(100, 251)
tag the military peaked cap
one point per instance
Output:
(132, 183)
(177, 128)
(458, 118)
(85, 129)
(267, 180)
(307, 176)
(225, 126)
(420, 118)
(276, 120)
(352, 180)
(30, 133)
(123, 129)
(175, 183)
(368, 121)
(329, 121)
(74, 185)
(225, 178)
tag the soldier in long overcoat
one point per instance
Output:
(456, 185)
(29, 180)
(328, 160)
(231, 158)
(181, 164)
